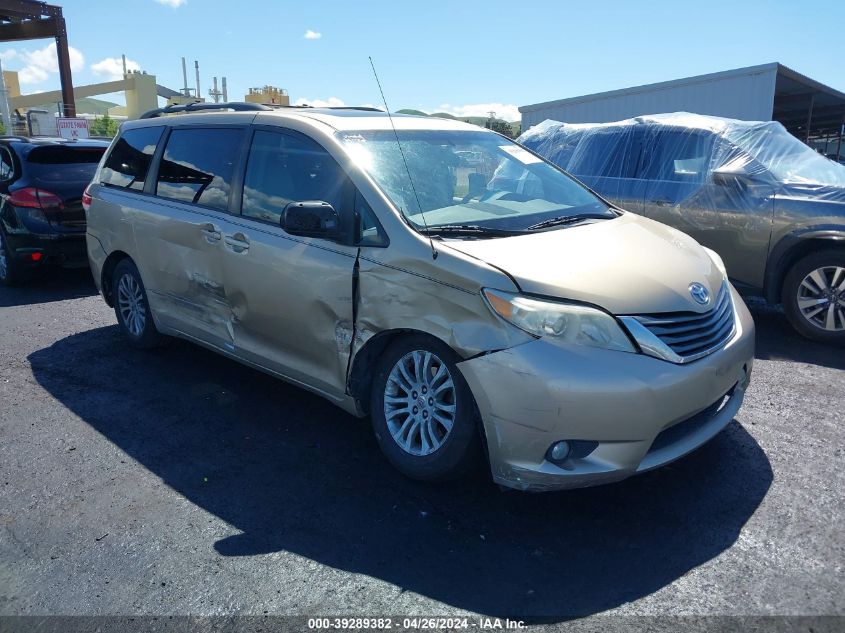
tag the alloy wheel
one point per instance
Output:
(821, 298)
(420, 403)
(130, 301)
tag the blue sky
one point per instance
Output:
(465, 57)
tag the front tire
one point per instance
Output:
(423, 413)
(814, 296)
(132, 308)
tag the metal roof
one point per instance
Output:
(806, 107)
(686, 81)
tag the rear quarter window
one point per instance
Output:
(129, 161)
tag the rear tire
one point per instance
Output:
(132, 308)
(9, 272)
(423, 413)
(814, 296)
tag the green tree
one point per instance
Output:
(502, 127)
(103, 126)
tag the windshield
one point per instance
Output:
(787, 158)
(469, 179)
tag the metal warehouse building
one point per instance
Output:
(810, 110)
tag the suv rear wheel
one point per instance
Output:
(132, 308)
(814, 296)
(8, 268)
(423, 412)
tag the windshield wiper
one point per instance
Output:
(468, 229)
(566, 219)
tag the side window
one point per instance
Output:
(678, 156)
(7, 167)
(283, 168)
(370, 232)
(198, 165)
(607, 154)
(129, 160)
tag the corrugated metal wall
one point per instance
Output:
(747, 96)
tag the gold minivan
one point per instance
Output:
(470, 297)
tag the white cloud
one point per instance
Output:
(173, 4)
(331, 102)
(312, 35)
(38, 65)
(506, 111)
(111, 68)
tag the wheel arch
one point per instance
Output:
(106, 275)
(792, 248)
(359, 379)
(360, 376)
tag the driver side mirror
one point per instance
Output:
(311, 218)
(733, 174)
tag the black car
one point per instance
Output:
(42, 221)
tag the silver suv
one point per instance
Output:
(491, 308)
(773, 208)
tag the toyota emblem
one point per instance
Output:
(699, 293)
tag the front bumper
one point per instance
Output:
(541, 392)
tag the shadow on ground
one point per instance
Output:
(55, 284)
(777, 340)
(294, 473)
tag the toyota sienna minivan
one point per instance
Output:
(492, 308)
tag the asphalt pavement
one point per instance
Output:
(177, 482)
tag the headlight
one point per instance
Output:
(565, 321)
(717, 261)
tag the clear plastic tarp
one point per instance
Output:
(683, 164)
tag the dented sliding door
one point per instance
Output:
(291, 301)
(182, 267)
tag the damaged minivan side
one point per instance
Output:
(470, 297)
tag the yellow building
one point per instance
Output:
(13, 85)
(139, 88)
(268, 95)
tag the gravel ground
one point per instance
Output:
(177, 482)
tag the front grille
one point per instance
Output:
(691, 335)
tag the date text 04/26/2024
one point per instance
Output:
(415, 623)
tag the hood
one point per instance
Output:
(629, 265)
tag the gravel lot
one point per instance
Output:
(178, 482)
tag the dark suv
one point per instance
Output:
(42, 221)
(772, 207)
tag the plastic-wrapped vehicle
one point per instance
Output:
(773, 208)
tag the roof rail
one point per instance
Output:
(361, 108)
(236, 106)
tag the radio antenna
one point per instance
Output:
(404, 160)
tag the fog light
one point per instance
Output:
(36, 257)
(559, 451)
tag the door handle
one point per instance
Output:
(211, 232)
(238, 242)
(662, 202)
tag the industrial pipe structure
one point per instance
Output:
(29, 20)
